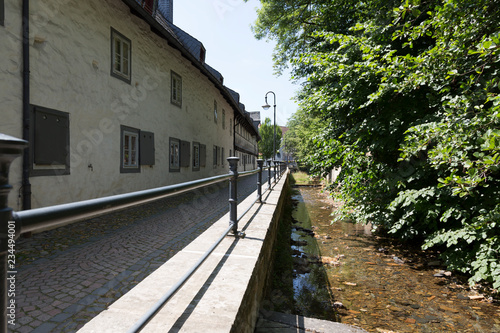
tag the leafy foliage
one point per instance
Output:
(405, 97)
(303, 127)
(266, 131)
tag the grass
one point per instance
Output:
(302, 178)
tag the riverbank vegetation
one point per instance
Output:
(404, 97)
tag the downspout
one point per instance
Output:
(26, 186)
(234, 135)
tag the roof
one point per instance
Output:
(193, 50)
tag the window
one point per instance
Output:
(215, 112)
(222, 157)
(230, 126)
(223, 119)
(176, 93)
(196, 156)
(174, 154)
(49, 137)
(129, 150)
(121, 56)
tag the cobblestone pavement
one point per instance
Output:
(68, 275)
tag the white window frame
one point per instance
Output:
(196, 156)
(176, 89)
(175, 154)
(130, 157)
(215, 111)
(121, 56)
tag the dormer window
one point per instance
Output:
(202, 54)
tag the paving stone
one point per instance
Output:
(44, 328)
(24, 320)
(54, 312)
(61, 317)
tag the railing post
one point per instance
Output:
(10, 149)
(275, 171)
(269, 174)
(233, 193)
(260, 164)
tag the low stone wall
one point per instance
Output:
(223, 295)
(249, 311)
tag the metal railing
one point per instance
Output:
(233, 226)
(12, 224)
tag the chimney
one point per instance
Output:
(166, 8)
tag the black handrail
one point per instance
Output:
(48, 217)
(233, 225)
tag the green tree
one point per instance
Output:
(302, 128)
(407, 93)
(266, 131)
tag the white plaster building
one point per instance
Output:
(115, 99)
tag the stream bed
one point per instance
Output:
(344, 273)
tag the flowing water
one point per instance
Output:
(343, 273)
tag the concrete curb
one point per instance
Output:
(275, 322)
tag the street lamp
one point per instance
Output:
(266, 107)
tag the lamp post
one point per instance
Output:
(266, 107)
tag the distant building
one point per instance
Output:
(114, 98)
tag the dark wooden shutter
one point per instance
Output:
(203, 155)
(51, 137)
(147, 148)
(2, 12)
(185, 153)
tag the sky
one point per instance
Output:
(224, 28)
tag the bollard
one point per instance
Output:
(10, 149)
(233, 193)
(260, 164)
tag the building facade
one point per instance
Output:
(115, 99)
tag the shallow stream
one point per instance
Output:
(343, 273)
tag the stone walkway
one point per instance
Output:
(68, 275)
